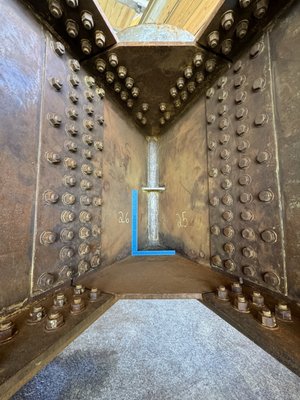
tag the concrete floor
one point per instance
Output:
(162, 350)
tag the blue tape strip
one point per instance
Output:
(134, 232)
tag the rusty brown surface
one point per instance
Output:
(20, 87)
(124, 169)
(155, 277)
(285, 56)
(35, 347)
(184, 223)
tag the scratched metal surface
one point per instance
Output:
(20, 94)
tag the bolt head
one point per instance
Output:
(213, 39)
(100, 39)
(242, 28)
(227, 20)
(87, 20)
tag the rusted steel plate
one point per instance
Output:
(68, 219)
(20, 88)
(82, 24)
(244, 194)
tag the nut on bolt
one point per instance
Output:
(72, 28)
(100, 39)
(227, 20)
(241, 304)
(59, 300)
(47, 237)
(222, 293)
(198, 60)
(79, 290)
(7, 331)
(260, 8)
(55, 8)
(59, 48)
(236, 288)
(94, 295)
(213, 39)
(54, 321)
(36, 315)
(267, 318)
(54, 119)
(257, 299)
(283, 312)
(242, 28)
(100, 65)
(113, 60)
(77, 305)
(86, 46)
(226, 46)
(87, 20)
(72, 3)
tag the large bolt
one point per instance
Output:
(266, 196)
(271, 279)
(55, 8)
(85, 201)
(68, 199)
(241, 304)
(260, 8)
(227, 20)
(36, 315)
(59, 300)
(50, 197)
(228, 231)
(210, 65)
(100, 39)
(213, 39)
(72, 28)
(266, 318)
(188, 72)
(246, 215)
(47, 237)
(248, 252)
(69, 180)
(67, 216)
(66, 235)
(75, 66)
(248, 234)
(129, 82)
(54, 320)
(245, 180)
(83, 249)
(87, 20)
(283, 312)
(66, 253)
(86, 46)
(54, 119)
(222, 293)
(269, 236)
(94, 295)
(198, 60)
(100, 65)
(226, 46)
(70, 163)
(77, 305)
(257, 299)
(229, 248)
(242, 28)
(227, 215)
(246, 198)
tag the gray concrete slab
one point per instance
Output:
(162, 350)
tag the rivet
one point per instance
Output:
(216, 260)
(87, 20)
(130, 103)
(191, 87)
(77, 305)
(226, 184)
(226, 46)
(258, 84)
(50, 197)
(243, 145)
(69, 180)
(129, 82)
(100, 39)
(66, 253)
(266, 196)
(224, 123)
(52, 158)
(256, 49)
(85, 201)
(70, 163)
(113, 60)
(239, 80)
(225, 154)
(180, 83)
(72, 28)
(72, 3)
(244, 162)
(188, 72)
(269, 236)
(210, 65)
(98, 145)
(213, 172)
(223, 109)
(247, 215)
(47, 237)
(124, 95)
(227, 199)
(240, 96)
(135, 91)
(241, 113)
(173, 92)
(198, 60)
(100, 65)
(245, 180)
(83, 249)
(215, 230)
(270, 278)
(260, 8)
(229, 265)
(94, 295)
(36, 315)
(237, 66)
(59, 301)
(68, 198)
(225, 169)
(66, 235)
(257, 299)
(228, 231)
(227, 20)
(213, 39)
(86, 169)
(227, 215)
(222, 293)
(267, 318)
(212, 145)
(54, 320)
(242, 29)
(283, 312)
(67, 216)
(86, 46)
(244, 3)
(184, 95)
(95, 261)
(54, 119)
(214, 201)
(241, 129)
(199, 77)
(55, 8)
(236, 288)
(248, 234)
(222, 95)
(248, 252)
(246, 198)
(85, 184)
(84, 233)
(229, 248)
(263, 157)
(241, 304)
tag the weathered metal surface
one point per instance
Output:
(285, 56)
(75, 22)
(155, 69)
(20, 89)
(184, 223)
(68, 217)
(283, 342)
(35, 346)
(244, 194)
